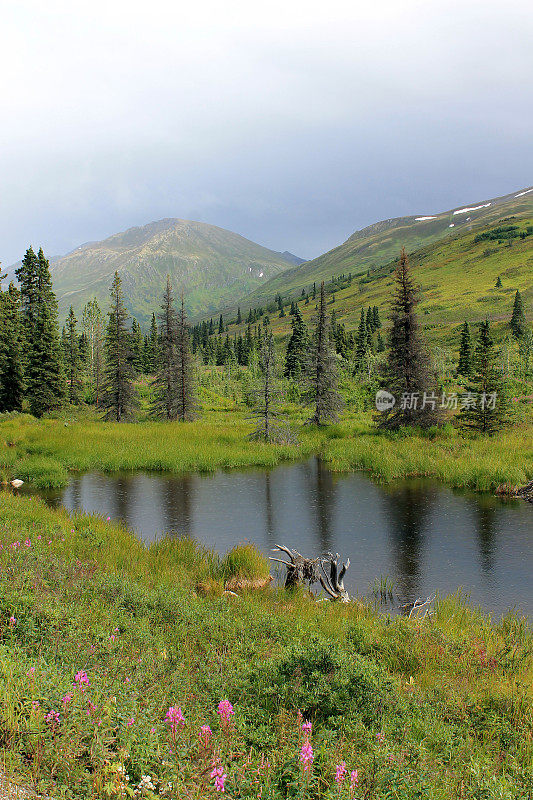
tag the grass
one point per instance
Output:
(43, 452)
(437, 708)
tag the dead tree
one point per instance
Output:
(299, 568)
(333, 583)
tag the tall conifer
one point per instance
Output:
(72, 359)
(297, 348)
(464, 366)
(118, 397)
(11, 378)
(488, 405)
(186, 401)
(322, 377)
(165, 381)
(518, 318)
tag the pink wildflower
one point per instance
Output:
(306, 755)
(108, 518)
(30, 673)
(175, 717)
(12, 620)
(225, 710)
(340, 773)
(307, 727)
(27, 543)
(354, 779)
(380, 737)
(81, 679)
(130, 721)
(52, 718)
(35, 705)
(152, 730)
(66, 699)
(219, 775)
(205, 734)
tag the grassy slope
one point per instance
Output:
(449, 697)
(210, 264)
(381, 243)
(457, 279)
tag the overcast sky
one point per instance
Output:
(292, 123)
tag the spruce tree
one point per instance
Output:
(221, 325)
(297, 348)
(322, 377)
(464, 366)
(239, 316)
(186, 400)
(11, 377)
(406, 373)
(137, 347)
(361, 343)
(487, 404)
(93, 327)
(72, 360)
(165, 381)
(375, 315)
(264, 410)
(118, 396)
(151, 351)
(499, 283)
(518, 318)
(45, 386)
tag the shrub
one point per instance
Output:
(245, 561)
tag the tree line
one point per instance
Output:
(43, 368)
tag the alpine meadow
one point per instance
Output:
(266, 498)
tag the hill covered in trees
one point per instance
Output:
(211, 265)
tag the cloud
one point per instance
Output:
(290, 122)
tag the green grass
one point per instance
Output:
(43, 452)
(450, 696)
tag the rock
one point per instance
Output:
(16, 483)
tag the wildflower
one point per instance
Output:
(152, 730)
(12, 620)
(225, 710)
(307, 727)
(35, 705)
(306, 755)
(354, 779)
(205, 733)
(27, 543)
(112, 637)
(108, 518)
(52, 718)
(81, 679)
(66, 699)
(39, 536)
(220, 777)
(30, 673)
(146, 783)
(130, 721)
(380, 737)
(340, 773)
(175, 717)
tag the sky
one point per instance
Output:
(292, 123)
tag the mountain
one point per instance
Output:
(211, 265)
(458, 277)
(291, 258)
(380, 243)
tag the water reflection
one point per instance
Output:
(421, 534)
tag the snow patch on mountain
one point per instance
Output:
(474, 208)
(521, 194)
(421, 219)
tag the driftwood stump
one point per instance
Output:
(299, 568)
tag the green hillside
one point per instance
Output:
(211, 265)
(457, 275)
(380, 243)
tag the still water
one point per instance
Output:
(421, 534)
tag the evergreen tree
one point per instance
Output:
(118, 397)
(488, 406)
(93, 327)
(43, 371)
(11, 377)
(297, 348)
(380, 344)
(406, 373)
(499, 283)
(186, 391)
(137, 347)
(221, 325)
(518, 318)
(377, 321)
(165, 382)
(151, 351)
(322, 374)
(72, 360)
(370, 320)
(361, 343)
(265, 406)
(464, 366)
(239, 316)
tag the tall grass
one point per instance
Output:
(438, 708)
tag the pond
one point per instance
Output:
(421, 534)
